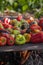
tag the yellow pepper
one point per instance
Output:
(28, 37)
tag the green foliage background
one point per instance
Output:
(31, 6)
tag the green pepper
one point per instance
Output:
(20, 39)
(16, 32)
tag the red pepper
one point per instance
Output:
(6, 35)
(11, 41)
(3, 41)
(5, 25)
(6, 20)
(0, 21)
(19, 17)
(37, 38)
(41, 22)
(41, 36)
(35, 27)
